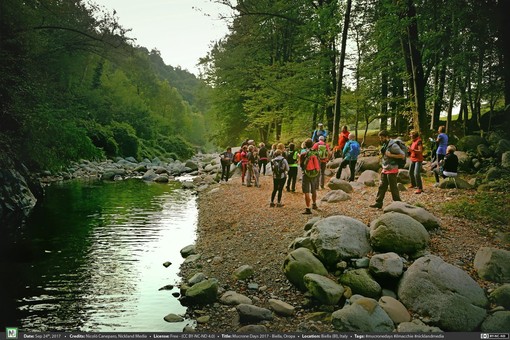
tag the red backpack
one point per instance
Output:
(237, 157)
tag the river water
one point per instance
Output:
(90, 258)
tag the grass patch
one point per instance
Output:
(485, 207)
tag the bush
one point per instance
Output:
(102, 137)
(176, 145)
(125, 136)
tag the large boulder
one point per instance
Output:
(505, 160)
(16, 198)
(464, 161)
(202, 293)
(299, 263)
(233, 298)
(498, 322)
(399, 233)
(369, 163)
(501, 296)
(395, 309)
(361, 282)
(337, 238)
(335, 196)
(251, 313)
(470, 143)
(386, 266)
(403, 176)
(421, 215)
(339, 184)
(492, 264)
(502, 146)
(363, 315)
(323, 289)
(193, 166)
(445, 294)
(368, 177)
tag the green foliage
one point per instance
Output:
(485, 207)
(125, 136)
(73, 86)
(102, 138)
(53, 140)
(176, 145)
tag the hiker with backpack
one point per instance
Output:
(416, 151)
(324, 155)
(351, 152)
(280, 168)
(292, 160)
(391, 151)
(263, 158)
(319, 132)
(226, 160)
(253, 167)
(309, 162)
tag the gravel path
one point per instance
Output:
(237, 227)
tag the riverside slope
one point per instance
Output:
(237, 227)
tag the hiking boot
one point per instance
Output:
(419, 191)
(288, 189)
(249, 185)
(308, 211)
(376, 205)
(314, 206)
(271, 205)
(279, 205)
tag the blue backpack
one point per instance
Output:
(354, 150)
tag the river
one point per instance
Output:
(90, 258)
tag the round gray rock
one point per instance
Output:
(387, 265)
(299, 263)
(339, 184)
(445, 294)
(421, 215)
(323, 289)
(399, 233)
(336, 238)
(364, 315)
(492, 264)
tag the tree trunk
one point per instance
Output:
(384, 101)
(338, 96)
(450, 104)
(504, 38)
(414, 66)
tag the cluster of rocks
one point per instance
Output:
(377, 278)
(375, 275)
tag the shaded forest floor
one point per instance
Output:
(237, 227)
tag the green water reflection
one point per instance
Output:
(90, 258)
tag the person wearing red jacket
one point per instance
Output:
(416, 151)
(343, 137)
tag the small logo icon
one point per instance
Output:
(11, 333)
(484, 336)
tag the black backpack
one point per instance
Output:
(290, 157)
(278, 167)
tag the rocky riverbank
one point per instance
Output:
(245, 247)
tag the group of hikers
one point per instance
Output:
(315, 153)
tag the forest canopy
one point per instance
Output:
(405, 64)
(75, 86)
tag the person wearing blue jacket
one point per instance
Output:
(351, 152)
